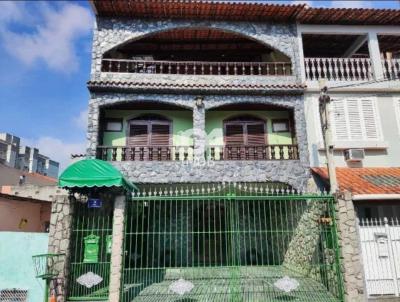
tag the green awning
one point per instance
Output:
(93, 173)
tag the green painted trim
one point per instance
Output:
(182, 126)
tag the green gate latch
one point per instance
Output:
(91, 253)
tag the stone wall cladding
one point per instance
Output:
(109, 33)
(59, 240)
(349, 242)
(290, 172)
(295, 172)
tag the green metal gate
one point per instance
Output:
(230, 242)
(90, 257)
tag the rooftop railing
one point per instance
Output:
(198, 67)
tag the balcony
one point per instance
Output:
(149, 132)
(145, 153)
(185, 153)
(198, 67)
(338, 69)
(196, 52)
(391, 69)
(255, 152)
(351, 58)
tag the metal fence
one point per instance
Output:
(90, 252)
(230, 242)
(380, 245)
(13, 295)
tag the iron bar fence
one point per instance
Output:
(230, 242)
(338, 69)
(145, 153)
(380, 245)
(13, 295)
(255, 152)
(198, 67)
(90, 253)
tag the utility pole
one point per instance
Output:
(324, 111)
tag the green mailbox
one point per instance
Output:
(91, 252)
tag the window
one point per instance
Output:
(149, 130)
(355, 120)
(280, 125)
(13, 295)
(245, 130)
(113, 125)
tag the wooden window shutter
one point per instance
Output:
(138, 135)
(370, 120)
(160, 135)
(354, 118)
(234, 134)
(255, 134)
(339, 120)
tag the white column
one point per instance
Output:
(375, 55)
(117, 248)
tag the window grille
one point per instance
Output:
(13, 295)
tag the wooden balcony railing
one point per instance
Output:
(198, 67)
(338, 69)
(391, 69)
(145, 153)
(259, 152)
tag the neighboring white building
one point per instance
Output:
(25, 158)
(360, 66)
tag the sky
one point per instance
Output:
(45, 53)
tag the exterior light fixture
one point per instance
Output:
(199, 101)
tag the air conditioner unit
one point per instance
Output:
(354, 154)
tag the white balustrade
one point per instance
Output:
(391, 68)
(338, 69)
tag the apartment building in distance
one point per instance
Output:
(16, 155)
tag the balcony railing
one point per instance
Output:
(145, 153)
(338, 69)
(391, 68)
(259, 152)
(198, 67)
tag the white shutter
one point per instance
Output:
(354, 118)
(370, 120)
(340, 127)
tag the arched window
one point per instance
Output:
(149, 130)
(245, 130)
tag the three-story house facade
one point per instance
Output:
(207, 107)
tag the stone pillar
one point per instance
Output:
(93, 127)
(349, 243)
(117, 248)
(199, 132)
(59, 240)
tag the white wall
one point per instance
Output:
(389, 120)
